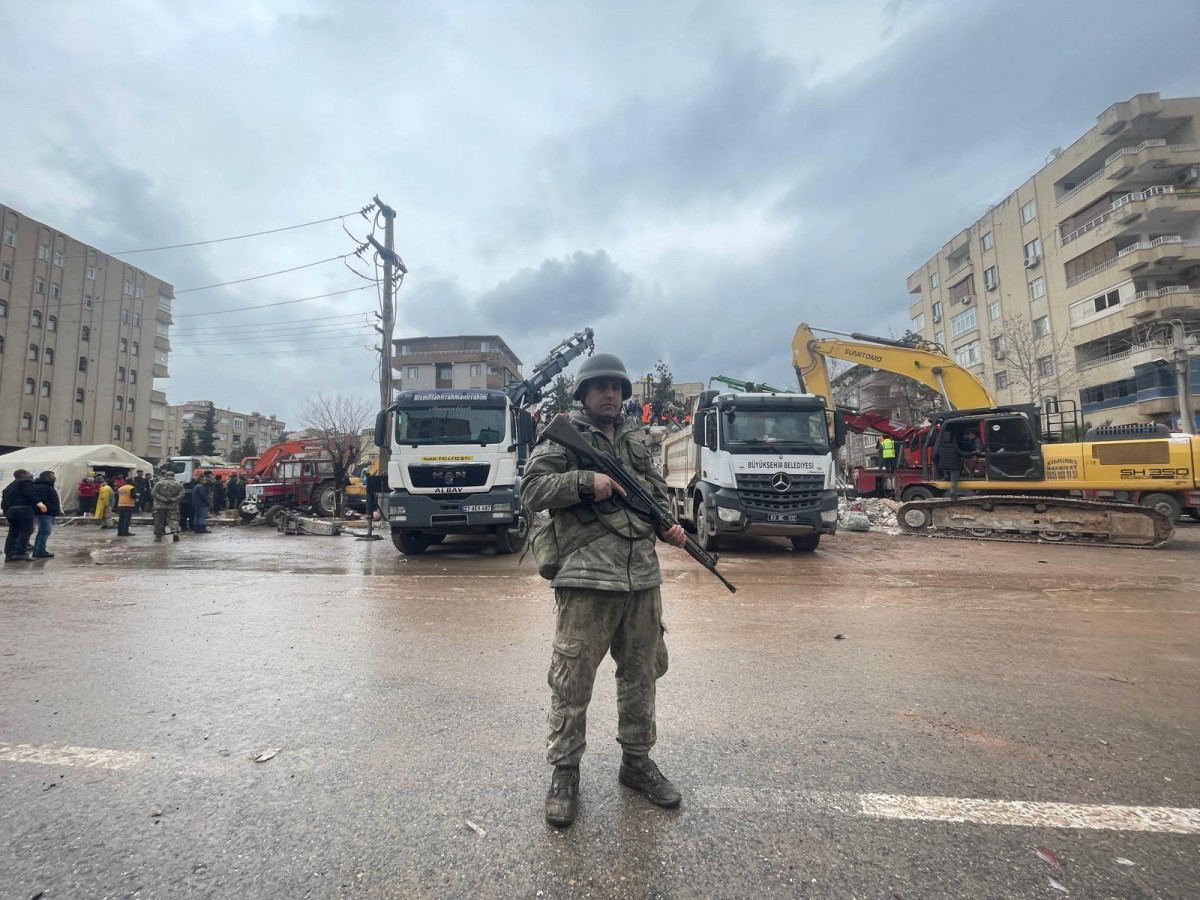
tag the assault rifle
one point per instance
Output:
(637, 498)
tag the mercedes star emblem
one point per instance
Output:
(781, 482)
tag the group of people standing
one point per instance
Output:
(29, 502)
(655, 412)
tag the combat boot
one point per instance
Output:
(562, 800)
(641, 774)
(158, 538)
(175, 537)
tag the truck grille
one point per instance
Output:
(759, 495)
(463, 476)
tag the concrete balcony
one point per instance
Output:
(1165, 302)
(1159, 251)
(1116, 366)
(1138, 162)
(1168, 207)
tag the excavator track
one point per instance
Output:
(1058, 520)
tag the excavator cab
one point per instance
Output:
(996, 445)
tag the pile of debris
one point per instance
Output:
(864, 513)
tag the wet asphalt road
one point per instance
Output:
(407, 696)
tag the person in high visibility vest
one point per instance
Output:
(888, 447)
(646, 413)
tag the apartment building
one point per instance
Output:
(1066, 289)
(231, 429)
(461, 361)
(83, 336)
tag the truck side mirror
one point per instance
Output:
(525, 430)
(698, 431)
(381, 428)
(839, 430)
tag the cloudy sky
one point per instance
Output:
(690, 179)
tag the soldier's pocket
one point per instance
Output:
(661, 661)
(566, 677)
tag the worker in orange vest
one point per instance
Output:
(647, 411)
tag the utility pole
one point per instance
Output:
(1179, 356)
(387, 316)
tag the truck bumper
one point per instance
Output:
(732, 516)
(470, 513)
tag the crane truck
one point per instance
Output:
(755, 461)
(1121, 485)
(455, 457)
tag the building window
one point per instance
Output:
(1037, 288)
(87, 301)
(134, 350)
(991, 278)
(1041, 326)
(45, 389)
(998, 347)
(1028, 212)
(138, 293)
(120, 373)
(129, 404)
(412, 371)
(137, 320)
(1033, 250)
(79, 396)
(133, 376)
(40, 285)
(238, 422)
(129, 434)
(1, 343)
(3, 308)
(58, 258)
(43, 251)
(120, 403)
(83, 364)
(968, 355)
(475, 370)
(33, 352)
(937, 310)
(116, 432)
(124, 345)
(1046, 365)
(934, 280)
(76, 427)
(6, 272)
(91, 272)
(48, 356)
(42, 423)
(52, 323)
(918, 322)
(29, 386)
(963, 322)
(55, 290)
(1001, 381)
(36, 319)
(85, 334)
(128, 288)
(26, 421)
(10, 239)
(993, 310)
(939, 338)
(124, 317)
(986, 241)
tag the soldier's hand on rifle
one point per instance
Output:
(675, 536)
(603, 487)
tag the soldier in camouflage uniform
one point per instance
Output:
(606, 590)
(166, 493)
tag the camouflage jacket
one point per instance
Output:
(166, 490)
(603, 546)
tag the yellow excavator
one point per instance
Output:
(1028, 476)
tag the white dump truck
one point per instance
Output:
(756, 463)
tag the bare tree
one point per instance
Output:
(338, 421)
(1040, 364)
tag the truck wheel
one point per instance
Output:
(511, 538)
(917, 492)
(410, 543)
(274, 514)
(435, 538)
(325, 501)
(805, 543)
(1165, 504)
(704, 534)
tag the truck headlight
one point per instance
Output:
(829, 515)
(502, 507)
(725, 514)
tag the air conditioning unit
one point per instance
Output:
(936, 319)
(967, 300)
(999, 354)
(1032, 261)
(991, 285)
(1188, 175)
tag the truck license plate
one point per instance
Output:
(780, 517)
(476, 508)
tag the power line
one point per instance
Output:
(242, 325)
(218, 312)
(334, 331)
(209, 287)
(258, 353)
(50, 308)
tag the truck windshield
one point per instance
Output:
(794, 428)
(177, 466)
(449, 424)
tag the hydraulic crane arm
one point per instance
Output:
(862, 422)
(922, 361)
(747, 387)
(529, 391)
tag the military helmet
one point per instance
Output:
(603, 365)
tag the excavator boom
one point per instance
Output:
(529, 391)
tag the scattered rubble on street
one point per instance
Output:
(865, 513)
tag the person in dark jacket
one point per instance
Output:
(217, 495)
(201, 497)
(185, 506)
(949, 459)
(48, 496)
(235, 491)
(19, 502)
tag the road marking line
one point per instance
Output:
(1032, 815)
(81, 757)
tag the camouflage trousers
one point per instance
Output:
(590, 624)
(166, 520)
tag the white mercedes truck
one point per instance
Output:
(756, 463)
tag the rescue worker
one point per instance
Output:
(949, 459)
(606, 591)
(104, 501)
(200, 500)
(166, 493)
(888, 447)
(126, 502)
(647, 411)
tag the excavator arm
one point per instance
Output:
(922, 361)
(524, 393)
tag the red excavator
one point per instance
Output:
(298, 474)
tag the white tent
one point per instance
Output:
(71, 465)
